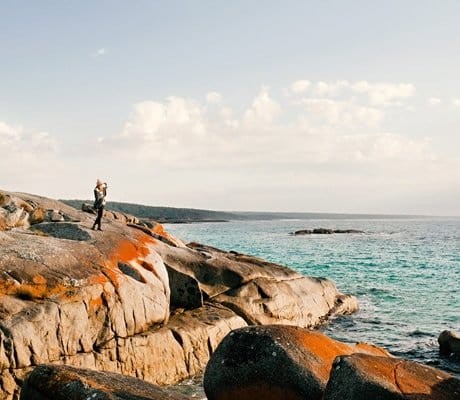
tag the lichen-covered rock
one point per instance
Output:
(363, 377)
(132, 299)
(275, 362)
(259, 291)
(57, 382)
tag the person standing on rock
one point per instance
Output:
(100, 191)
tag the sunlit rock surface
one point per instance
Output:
(131, 299)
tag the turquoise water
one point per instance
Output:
(405, 273)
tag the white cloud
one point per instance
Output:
(300, 86)
(263, 111)
(184, 132)
(384, 146)
(100, 52)
(246, 159)
(27, 156)
(331, 88)
(150, 120)
(384, 94)
(278, 152)
(434, 101)
(43, 142)
(342, 113)
(213, 97)
(9, 134)
(14, 142)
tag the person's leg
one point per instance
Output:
(97, 221)
(100, 212)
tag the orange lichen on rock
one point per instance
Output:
(358, 375)
(371, 349)
(160, 231)
(124, 251)
(381, 367)
(285, 358)
(127, 250)
(95, 304)
(39, 280)
(323, 347)
(327, 349)
(112, 274)
(98, 279)
(39, 291)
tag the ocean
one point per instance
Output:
(404, 272)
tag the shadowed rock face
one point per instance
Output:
(53, 382)
(63, 230)
(132, 299)
(275, 362)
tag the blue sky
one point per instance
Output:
(255, 105)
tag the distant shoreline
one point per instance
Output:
(189, 221)
(174, 215)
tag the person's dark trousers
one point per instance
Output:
(98, 221)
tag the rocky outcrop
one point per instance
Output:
(259, 291)
(363, 377)
(53, 382)
(324, 231)
(132, 299)
(449, 343)
(275, 362)
(286, 362)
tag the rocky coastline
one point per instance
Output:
(109, 315)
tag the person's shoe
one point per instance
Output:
(99, 229)
(93, 228)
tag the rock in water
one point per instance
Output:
(324, 231)
(449, 343)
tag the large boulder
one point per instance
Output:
(275, 362)
(53, 382)
(364, 377)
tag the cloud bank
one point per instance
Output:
(311, 146)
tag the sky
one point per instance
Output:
(331, 106)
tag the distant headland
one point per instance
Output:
(193, 215)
